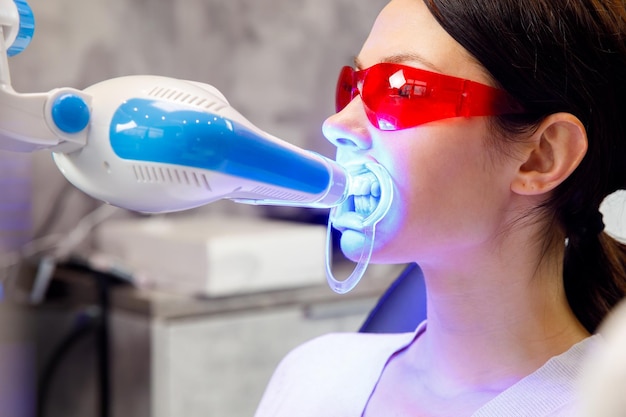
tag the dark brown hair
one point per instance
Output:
(562, 56)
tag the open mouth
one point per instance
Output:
(364, 194)
(370, 194)
(369, 198)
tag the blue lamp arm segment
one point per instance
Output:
(156, 131)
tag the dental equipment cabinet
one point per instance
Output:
(173, 355)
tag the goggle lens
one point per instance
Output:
(398, 97)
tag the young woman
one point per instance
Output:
(503, 126)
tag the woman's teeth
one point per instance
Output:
(366, 194)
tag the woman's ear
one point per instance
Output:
(552, 154)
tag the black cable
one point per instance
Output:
(85, 324)
(103, 282)
(99, 324)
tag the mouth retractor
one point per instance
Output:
(371, 193)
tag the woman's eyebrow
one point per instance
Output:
(401, 59)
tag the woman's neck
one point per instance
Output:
(496, 322)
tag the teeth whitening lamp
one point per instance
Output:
(155, 144)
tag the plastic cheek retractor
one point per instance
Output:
(366, 172)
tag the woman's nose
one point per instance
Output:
(349, 127)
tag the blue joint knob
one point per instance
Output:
(70, 113)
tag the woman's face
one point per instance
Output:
(452, 193)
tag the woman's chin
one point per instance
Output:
(351, 244)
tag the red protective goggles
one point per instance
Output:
(398, 97)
